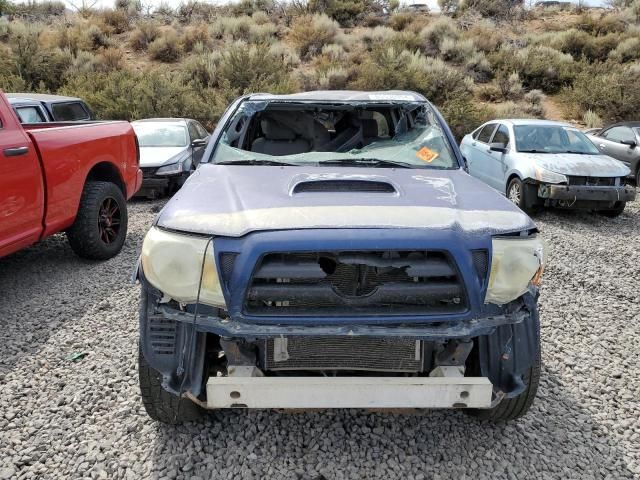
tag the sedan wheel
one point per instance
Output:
(515, 193)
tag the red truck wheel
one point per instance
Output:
(100, 228)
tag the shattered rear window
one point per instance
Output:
(310, 133)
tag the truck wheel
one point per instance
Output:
(615, 211)
(517, 193)
(512, 408)
(100, 228)
(161, 405)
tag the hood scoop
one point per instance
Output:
(344, 186)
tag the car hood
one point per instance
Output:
(158, 156)
(235, 200)
(578, 165)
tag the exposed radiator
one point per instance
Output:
(343, 353)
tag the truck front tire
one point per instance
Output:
(161, 405)
(512, 408)
(100, 228)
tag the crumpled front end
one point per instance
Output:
(339, 303)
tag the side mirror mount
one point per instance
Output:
(465, 164)
(199, 142)
(498, 147)
(631, 143)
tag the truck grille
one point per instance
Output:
(591, 181)
(356, 283)
(343, 353)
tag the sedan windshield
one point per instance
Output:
(160, 135)
(552, 139)
(369, 134)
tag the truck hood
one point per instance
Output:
(232, 201)
(578, 165)
(158, 156)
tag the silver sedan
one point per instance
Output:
(539, 163)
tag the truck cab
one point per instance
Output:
(40, 108)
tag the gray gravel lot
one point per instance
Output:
(65, 419)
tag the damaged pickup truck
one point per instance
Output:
(331, 252)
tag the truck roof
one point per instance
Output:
(343, 96)
(39, 97)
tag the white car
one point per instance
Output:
(544, 163)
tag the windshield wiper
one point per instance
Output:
(255, 161)
(368, 162)
(533, 150)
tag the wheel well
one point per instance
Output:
(511, 177)
(106, 172)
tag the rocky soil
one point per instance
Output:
(61, 418)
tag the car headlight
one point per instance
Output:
(172, 262)
(547, 176)
(516, 262)
(170, 169)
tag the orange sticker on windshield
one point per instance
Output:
(426, 155)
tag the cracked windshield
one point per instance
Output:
(389, 135)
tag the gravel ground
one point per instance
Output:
(66, 419)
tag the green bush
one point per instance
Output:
(401, 20)
(118, 20)
(463, 115)
(143, 35)
(626, 51)
(434, 34)
(511, 110)
(592, 120)
(609, 90)
(196, 34)
(310, 33)
(166, 48)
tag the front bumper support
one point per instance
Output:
(577, 193)
(348, 392)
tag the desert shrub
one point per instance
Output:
(533, 103)
(130, 7)
(538, 66)
(245, 68)
(478, 67)
(38, 9)
(457, 51)
(609, 90)
(493, 8)
(284, 54)
(463, 115)
(489, 92)
(486, 36)
(592, 120)
(166, 48)
(578, 43)
(260, 18)
(83, 62)
(511, 110)
(264, 32)
(386, 68)
(434, 34)
(95, 38)
(310, 33)
(346, 12)
(334, 78)
(201, 69)
(510, 86)
(601, 24)
(143, 35)
(234, 28)
(191, 11)
(195, 34)
(627, 51)
(401, 20)
(109, 59)
(367, 38)
(252, 7)
(118, 20)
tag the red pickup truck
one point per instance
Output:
(58, 177)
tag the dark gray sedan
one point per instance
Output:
(170, 150)
(622, 142)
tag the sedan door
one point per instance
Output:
(618, 142)
(476, 151)
(497, 166)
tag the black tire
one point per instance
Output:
(512, 408)
(161, 405)
(518, 193)
(615, 211)
(95, 235)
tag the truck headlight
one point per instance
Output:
(172, 262)
(171, 169)
(516, 262)
(547, 176)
